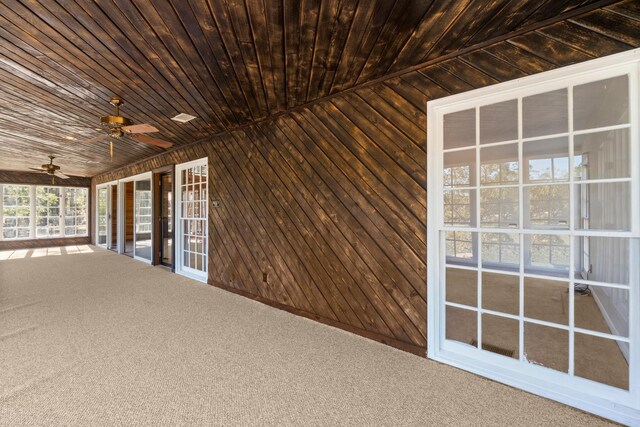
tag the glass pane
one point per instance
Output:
(459, 168)
(458, 208)
(603, 206)
(462, 286)
(546, 160)
(546, 346)
(459, 129)
(460, 247)
(610, 315)
(501, 251)
(501, 292)
(142, 218)
(461, 325)
(601, 103)
(602, 259)
(545, 114)
(547, 254)
(602, 155)
(548, 206)
(602, 360)
(546, 300)
(499, 207)
(500, 335)
(499, 122)
(499, 165)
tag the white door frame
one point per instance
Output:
(619, 405)
(178, 226)
(122, 214)
(107, 186)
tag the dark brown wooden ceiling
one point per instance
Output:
(229, 62)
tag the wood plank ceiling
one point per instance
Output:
(228, 62)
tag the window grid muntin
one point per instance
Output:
(571, 232)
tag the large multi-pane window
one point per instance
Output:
(534, 233)
(34, 212)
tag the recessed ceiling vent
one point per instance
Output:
(183, 118)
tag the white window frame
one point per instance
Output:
(619, 405)
(180, 268)
(32, 212)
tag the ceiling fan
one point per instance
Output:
(118, 126)
(51, 169)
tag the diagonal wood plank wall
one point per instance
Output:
(329, 200)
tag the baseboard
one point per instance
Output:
(44, 243)
(392, 342)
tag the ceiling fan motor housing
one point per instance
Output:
(116, 120)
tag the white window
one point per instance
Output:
(32, 212)
(192, 218)
(534, 234)
(16, 212)
(48, 211)
(75, 211)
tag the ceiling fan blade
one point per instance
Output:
(37, 169)
(152, 141)
(95, 139)
(61, 175)
(141, 128)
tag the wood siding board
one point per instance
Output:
(328, 267)
(614, 25)
(367, 205)
(513, 14)
(371, 162)
(440, 17)
(361, 18)
(400, 23)
(356, 224)
(377, 125)
(628, 8)
(375, 22)
(552, 50)
(309, 33)
(339, 249)
(239, 239)
(525, 61)
(257, 17)
(466, 25)
(394, 113)
(469, 73)
(582, 38)
(242, 33)
(291, 18)
(270, 231)
(342, 26)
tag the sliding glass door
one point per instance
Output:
(143, 222)
(191, 224)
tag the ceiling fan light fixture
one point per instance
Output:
(183, 118)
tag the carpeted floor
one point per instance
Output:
(89, 337)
